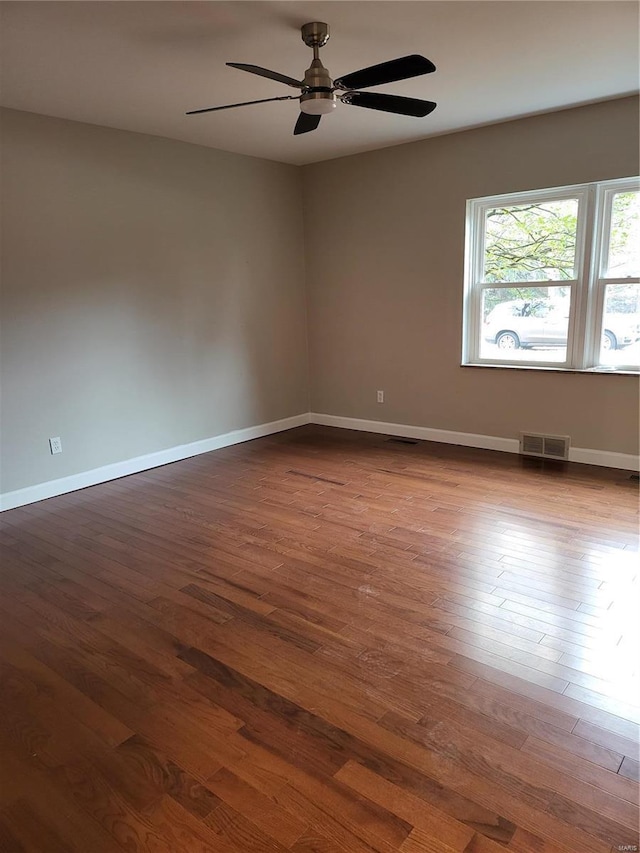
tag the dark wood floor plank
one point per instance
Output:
(9, 841)
(323, 642)
(531, 780)
(266, 813)
(55, 806)
(167, 824)
(149, 765)
(239, 832)
(63, 696)
(527, 842)
(428, 821)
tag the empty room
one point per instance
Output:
(319, 425)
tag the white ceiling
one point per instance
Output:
(140, 65)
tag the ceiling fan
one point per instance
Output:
(318, 90)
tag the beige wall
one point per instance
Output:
(152, 295)
(153, 291)
(385, 247)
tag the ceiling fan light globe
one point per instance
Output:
(318, 106)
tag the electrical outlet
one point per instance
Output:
(56, 445)
(381, 396)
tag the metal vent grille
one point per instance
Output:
(532, 444)
(546, 446)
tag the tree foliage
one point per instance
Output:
(533, 242)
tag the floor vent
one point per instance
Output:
(402, 440)
(546, 446)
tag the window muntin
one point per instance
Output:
(567, 249)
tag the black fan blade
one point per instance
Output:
(306, 123)
(264, 72)
(389, 103)
(386, 72)
(243, 104)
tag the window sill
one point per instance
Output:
(544, 369)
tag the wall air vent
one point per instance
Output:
(546, 446)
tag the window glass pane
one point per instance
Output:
(531, 242)
(624, 239)
(525, 323)
(620, 344)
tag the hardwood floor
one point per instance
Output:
(324, 641)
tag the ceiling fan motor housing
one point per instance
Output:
(318, 97)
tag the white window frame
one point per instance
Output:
(587, 289)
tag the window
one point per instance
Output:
(552, 278)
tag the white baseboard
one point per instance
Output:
(50, 489)
(21, 497)
(445, 436)
(604, 458)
